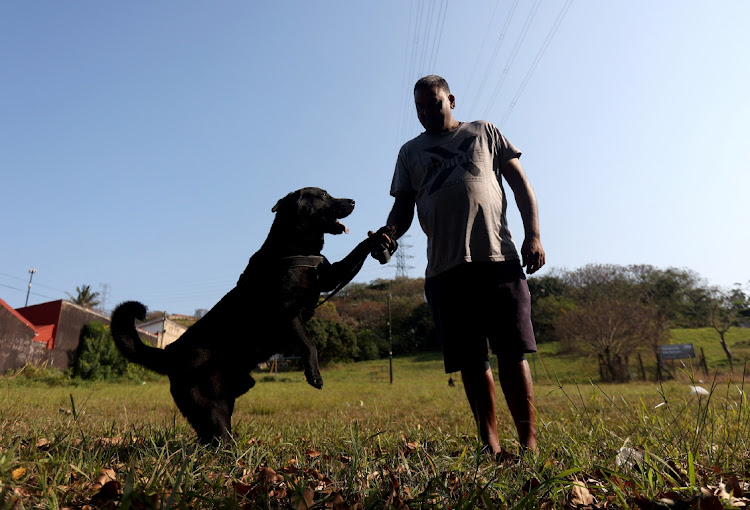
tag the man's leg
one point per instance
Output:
(480, 390)
(518, 388)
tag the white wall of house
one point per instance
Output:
(165, 330)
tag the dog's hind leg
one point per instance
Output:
(208, 413)
(308, 352)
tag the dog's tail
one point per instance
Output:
(127, 339)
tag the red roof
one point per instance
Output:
(16, 314)
(44, 333)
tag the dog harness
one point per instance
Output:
(314, 261)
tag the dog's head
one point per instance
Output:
(315, 209)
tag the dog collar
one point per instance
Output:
(302, 261)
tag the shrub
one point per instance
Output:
(97, 358)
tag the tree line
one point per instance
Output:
(604, 310)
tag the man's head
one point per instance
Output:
(433, 80)
(434, 101)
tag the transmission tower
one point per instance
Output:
(401, 256)
(104, 292)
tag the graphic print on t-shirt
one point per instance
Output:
(444, 160)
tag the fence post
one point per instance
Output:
(703, 362)
(390, 339)
(640, 364)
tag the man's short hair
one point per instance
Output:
(430, 81)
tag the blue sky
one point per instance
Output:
(143, 144)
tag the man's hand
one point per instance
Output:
(532, 254)
(383, 243)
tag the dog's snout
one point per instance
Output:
(351, 202)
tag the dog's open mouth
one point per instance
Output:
(339, 228)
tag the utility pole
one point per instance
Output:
(390, 340)
(28, 291)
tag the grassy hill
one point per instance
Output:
(582, 368)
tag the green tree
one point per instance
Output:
(372, 345)
(549, 300)
(97, 357)
(545, 314)
(416, 332)
(335, 341)
(85, 298)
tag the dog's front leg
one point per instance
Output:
(309, 353)
(342, 272)
(345, 269)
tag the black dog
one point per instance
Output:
(209, 365)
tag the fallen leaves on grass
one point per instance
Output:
(580, 497)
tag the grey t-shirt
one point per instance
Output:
(459, 193)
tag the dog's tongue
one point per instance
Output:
(344, 228)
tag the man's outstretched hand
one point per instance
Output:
(383, 243)
(532, 255)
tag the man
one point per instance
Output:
(474, 281)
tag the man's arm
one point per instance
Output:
(532, 253)
(402, 212)
(400, 218)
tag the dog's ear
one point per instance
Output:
(291, 197)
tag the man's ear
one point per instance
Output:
(452, 100)
(291, 197)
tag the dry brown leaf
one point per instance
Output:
(267, 476)
(337, 501)
(734, 483)
(711, 502)
(312, 453)
(531, 484)
(109, 492)
(305, 500)
(105, 475)
(580, 496)
(111, 441)
(410, 447)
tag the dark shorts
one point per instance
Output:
(479, 305)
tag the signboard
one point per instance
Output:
(676, 351)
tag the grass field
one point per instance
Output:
(362, 442)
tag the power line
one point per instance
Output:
(412, 69)
(540, 53)
(428, 29)
(36, 284)
(24, 290)
(495, 51)
(404, 82)
(490, 24)
(425, 35)
(438, 38)
(512, 57)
